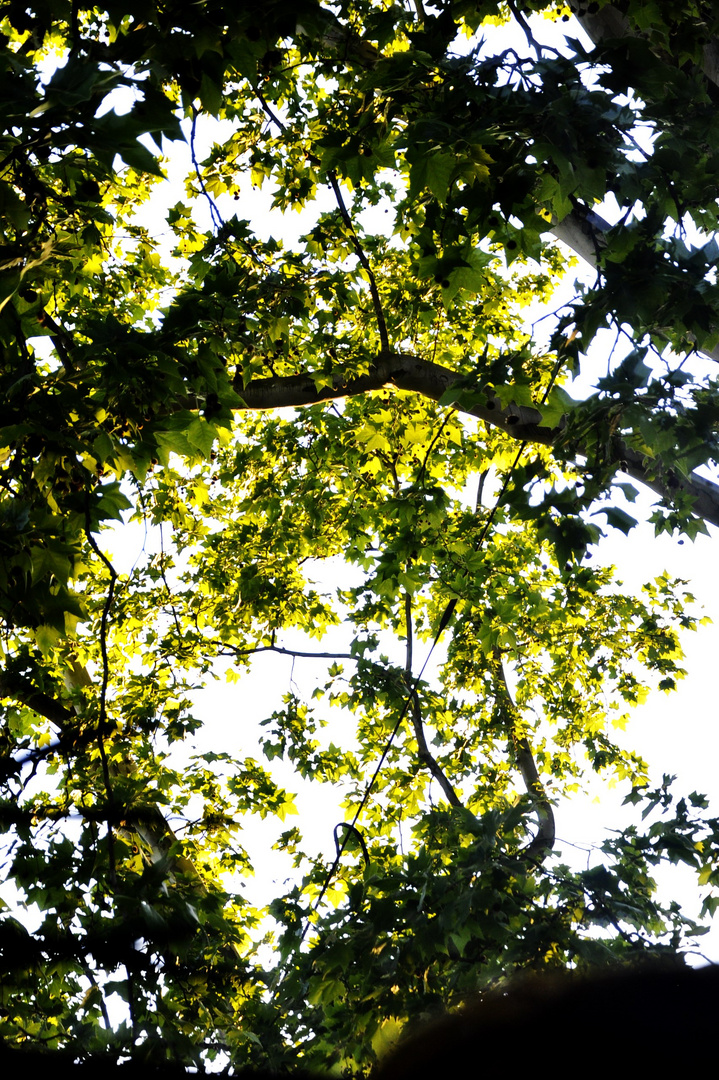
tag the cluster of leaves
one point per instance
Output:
(137, 364)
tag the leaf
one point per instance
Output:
(201, 435)
(618, 519)
(558, 404)
(439, 170)
(46, 638)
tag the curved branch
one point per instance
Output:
(425, 755)
(412, 373)
(543, 842)
(352, 830)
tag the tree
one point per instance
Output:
(140, 369)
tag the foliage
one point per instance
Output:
(142, 360)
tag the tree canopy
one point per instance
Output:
(359, 442)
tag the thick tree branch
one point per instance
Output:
(408, 372)
(16, 688)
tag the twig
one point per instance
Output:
(364, 262)
(215, 215)
(268, 111)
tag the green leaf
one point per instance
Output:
(618, 519)
(202, 435)
(558, 404)
(439, 170)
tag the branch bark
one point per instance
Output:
(586, 235)
(425, 755)
(543, 842)
(408, 372)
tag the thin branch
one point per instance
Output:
(543, 842)
(408, 625)
(364, 262)
(425, 755)
(90, 975)
(290, 652)
(215, 215)
(268, 111)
